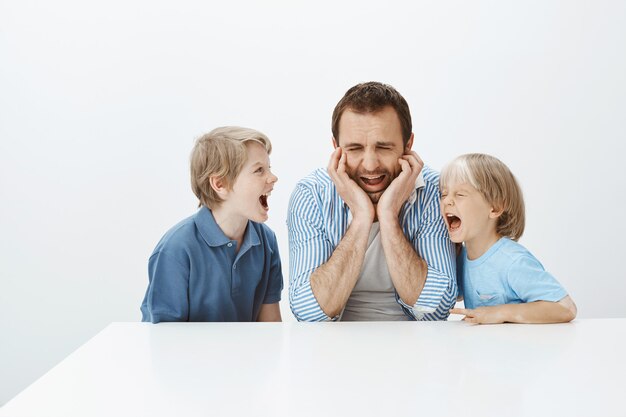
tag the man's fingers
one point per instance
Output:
(463, 311)
(334, 165)
(341, 166)
(406, 167)
(334, 159)
(416, 156)
(414, 160)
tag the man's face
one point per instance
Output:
(372, 143)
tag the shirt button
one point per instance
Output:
(234, 266)
(229, 244)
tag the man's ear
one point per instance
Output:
(219, 185)
(335, 145)
(409, 144)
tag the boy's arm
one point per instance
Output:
(269, 312)
(270, 309)
(538, 312)
(166, 298)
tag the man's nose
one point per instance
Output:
(370, 161)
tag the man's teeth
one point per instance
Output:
(372, 180)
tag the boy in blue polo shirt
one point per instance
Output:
(222, 263)
(499, 279)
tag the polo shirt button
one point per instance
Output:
(234, 266)
(230, 244)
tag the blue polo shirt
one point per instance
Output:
(196, 274)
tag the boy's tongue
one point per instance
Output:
(455, 223)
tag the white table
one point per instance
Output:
(336, 369)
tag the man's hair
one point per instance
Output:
(221, 153)
(496, 183)
(372, 97)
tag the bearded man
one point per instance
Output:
(366, 237)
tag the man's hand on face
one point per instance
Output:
(400, 188)
(359, 202)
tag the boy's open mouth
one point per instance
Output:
(263, 201)
(453, 222)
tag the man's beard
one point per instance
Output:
(375, 196)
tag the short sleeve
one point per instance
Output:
(531, 282)
(167, 294)
(275, 282)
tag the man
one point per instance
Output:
(366, 237)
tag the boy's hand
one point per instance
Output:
(481, 315)
(401, 187)
(359, 202)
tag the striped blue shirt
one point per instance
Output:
(318, 219)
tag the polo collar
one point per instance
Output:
(213, 234)
(250, 239)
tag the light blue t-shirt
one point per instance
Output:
(196, 274)
(506, 274)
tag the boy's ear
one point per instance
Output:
(219, 185)
(495, 212)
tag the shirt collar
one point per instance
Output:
(419, 183)
(213, 234)
(250, 239)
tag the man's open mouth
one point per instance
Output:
(373, 180)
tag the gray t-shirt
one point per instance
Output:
(373, 297)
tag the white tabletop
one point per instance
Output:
(328, 369)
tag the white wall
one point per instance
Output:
(100, 104)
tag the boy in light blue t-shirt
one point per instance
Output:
(499, 279)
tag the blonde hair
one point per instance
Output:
(496, 183)
(221, 153)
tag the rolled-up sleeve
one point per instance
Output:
(433, 245)
(309, 247)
